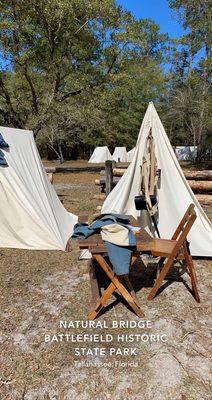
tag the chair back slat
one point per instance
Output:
(185, 225)
(189, 214)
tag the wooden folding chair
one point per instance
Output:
(176, 248)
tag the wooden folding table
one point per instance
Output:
(98, 250)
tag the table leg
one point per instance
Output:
(95, 290)
(106, 295)
(122, 290)
(130, 287)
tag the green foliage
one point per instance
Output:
(190, 91)
(78, 71)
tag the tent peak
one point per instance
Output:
(151, 105)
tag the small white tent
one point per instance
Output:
(100, 155)
(130, 154)
(31, 214)
(184, 153)
(120, 154)
(174, 193)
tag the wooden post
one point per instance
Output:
(109, 176)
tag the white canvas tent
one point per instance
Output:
(100, 155)
(120, 154)
(31, 214)
(174, 193)
(130, 154)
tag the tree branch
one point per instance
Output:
(110, 67)
(72, 93)
(33, 92)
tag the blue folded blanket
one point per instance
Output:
(119, 255)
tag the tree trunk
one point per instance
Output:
(60, 154)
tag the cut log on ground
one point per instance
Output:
(119, 171)
(201, 186)
(116, 172)
(196, 186)
(205, 175)
(50, 169)
(102, 180)
(204, 199)
(68, 169)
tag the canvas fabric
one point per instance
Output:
(100, 155)
(31, 214)
(120, 153)
(173, 191)
(130, 155)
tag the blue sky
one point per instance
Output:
(158, 10)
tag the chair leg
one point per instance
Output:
(192, 273)
(159, 266)
(160, 278)
(166, 268)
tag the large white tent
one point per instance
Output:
(120, 154)
(100, 155)
(174, 193)
(31, 214)
(130, 154)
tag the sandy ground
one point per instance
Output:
(40, 288)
